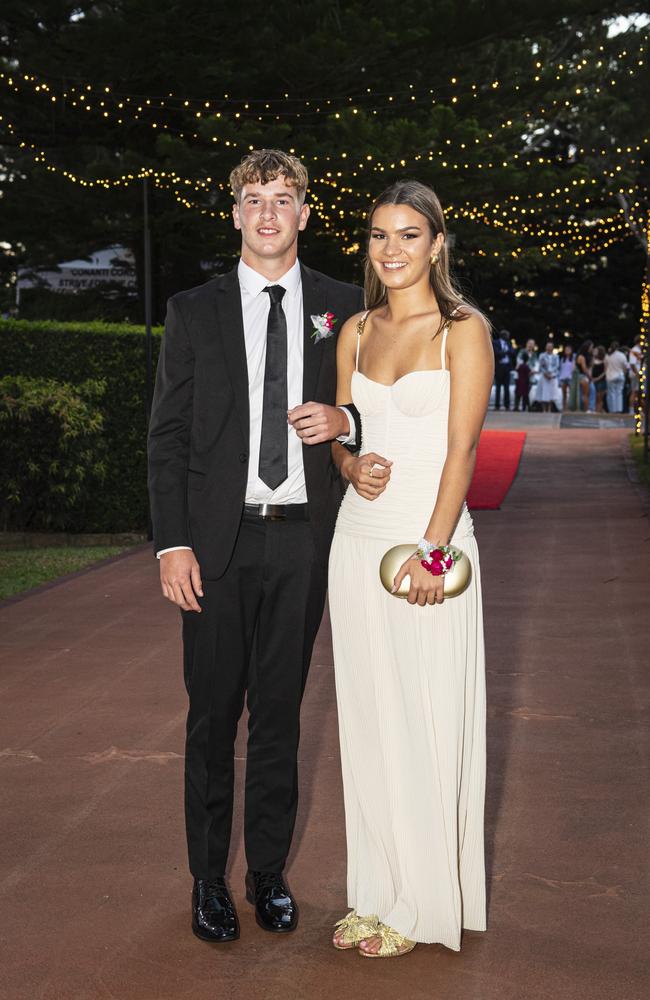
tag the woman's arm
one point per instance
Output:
(471, 364)
(356, 469)
(472, 371)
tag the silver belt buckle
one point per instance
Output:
(271, 512)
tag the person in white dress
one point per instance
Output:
(410, 674)
(549, 369)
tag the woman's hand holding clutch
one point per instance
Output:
(369, 474)
(425, 588)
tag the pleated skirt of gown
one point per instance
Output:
(410, 686)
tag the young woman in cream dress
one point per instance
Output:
(410, 674)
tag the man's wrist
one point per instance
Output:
(344, 422)
(348, 431)
(173, 548)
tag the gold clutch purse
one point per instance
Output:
(455, 581)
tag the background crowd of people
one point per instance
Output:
(594, 379)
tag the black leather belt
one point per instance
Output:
(278, 511)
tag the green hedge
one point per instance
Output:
(114, 354)
(51, 451)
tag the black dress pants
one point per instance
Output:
(502, 379)
(253, 639)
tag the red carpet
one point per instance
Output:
(497, 461)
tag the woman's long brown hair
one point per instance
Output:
(425, 201)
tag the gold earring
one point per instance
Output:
(434, 259)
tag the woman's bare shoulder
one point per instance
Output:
(347, 339)
(469, 322)
(350, 327)
(469, 341)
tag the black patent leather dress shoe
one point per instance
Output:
(214, 917)
(275, 908)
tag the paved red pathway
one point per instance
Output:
(94, 894)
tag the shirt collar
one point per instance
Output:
(254, 283)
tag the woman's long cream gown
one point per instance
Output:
(410, 685)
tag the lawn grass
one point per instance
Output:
(21, 569)
(636, 446)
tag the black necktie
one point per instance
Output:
(273, 466)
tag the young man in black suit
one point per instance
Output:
(244, 498)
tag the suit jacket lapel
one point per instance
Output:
(231, 327)
(313, 305)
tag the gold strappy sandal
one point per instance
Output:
(392, 944)
(352, 929)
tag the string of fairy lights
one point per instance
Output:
(441, 155)
(371, 162)
(83, 91)
(113, 104)
(553, 240)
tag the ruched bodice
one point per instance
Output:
(406, 422)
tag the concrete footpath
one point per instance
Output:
(94, 892)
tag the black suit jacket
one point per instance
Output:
(199, 426)
(503, 353)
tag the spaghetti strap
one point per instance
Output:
(360, 328)
(443, 346)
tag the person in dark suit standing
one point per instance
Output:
(244, 498)
(502, 368)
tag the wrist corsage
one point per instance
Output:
(437, 559)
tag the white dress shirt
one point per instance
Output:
(255, 308)
(256, 304)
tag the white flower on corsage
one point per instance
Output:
(323, 326)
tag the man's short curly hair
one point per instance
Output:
(264, 165)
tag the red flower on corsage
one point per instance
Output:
(438, 560)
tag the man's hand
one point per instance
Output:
(180, 578)
(317, 422)
(369, 474)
